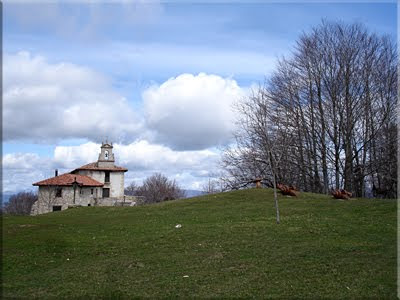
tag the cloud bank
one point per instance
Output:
(192, 112)
(141, 158)
(47, 102)
(182, 121)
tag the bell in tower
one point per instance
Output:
(106, 156)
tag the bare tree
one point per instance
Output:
(158, 188)
(20, 203)
(212, 186)
(132, 189)
(261, 145)
(325, 119)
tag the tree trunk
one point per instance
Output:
(278, 220)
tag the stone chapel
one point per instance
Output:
(100, 183)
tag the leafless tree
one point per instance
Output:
(212, 186)
(158, 188)
(20, 203)
(261, 145)
(132, 189)
(325, 119)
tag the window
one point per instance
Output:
(56, 207)
(106, 192)
(106, 154)
(59, 192)
(91, 191)
(88, 204)
(107, 177)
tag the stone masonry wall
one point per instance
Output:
(47, 198)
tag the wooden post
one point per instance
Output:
(258, 183)
(274, 182)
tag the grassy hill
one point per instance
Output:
(229, 245)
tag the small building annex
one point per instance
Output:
(99, 183)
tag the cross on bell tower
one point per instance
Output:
(106, 156)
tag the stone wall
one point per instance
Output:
(47, 198)
(83, 196)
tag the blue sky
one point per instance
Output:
(147, 44)
(77, 60)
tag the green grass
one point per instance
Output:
(229, 246)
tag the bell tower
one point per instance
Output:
(106, 156)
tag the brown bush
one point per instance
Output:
(158, 188)
(341, 194)
(287, 190)
(20, 203)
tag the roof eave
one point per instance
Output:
(85, 185)
(99, 169)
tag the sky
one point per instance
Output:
(158, 79)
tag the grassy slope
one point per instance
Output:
(229, 246)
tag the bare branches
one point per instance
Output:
(20, 203)
(326, 117)
(156, 188)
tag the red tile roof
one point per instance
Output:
(68, 179)
(94, 166)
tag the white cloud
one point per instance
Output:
(184, 119)
(189, 168)
(20, 170)
(49, 102)
(71, 157)
(192, 112)
(21, 161)
(139, 156)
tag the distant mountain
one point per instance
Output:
(192, 193)
(5, 196)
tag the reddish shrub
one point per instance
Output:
(341, 194)
(287, 190)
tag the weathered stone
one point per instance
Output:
(49, 200)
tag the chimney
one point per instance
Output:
(56, 172)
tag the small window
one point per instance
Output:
(106, 154)
(56, 207)
(88, 204)
(59, 192)
(107, 177)
(106, 193)
(91, 191)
